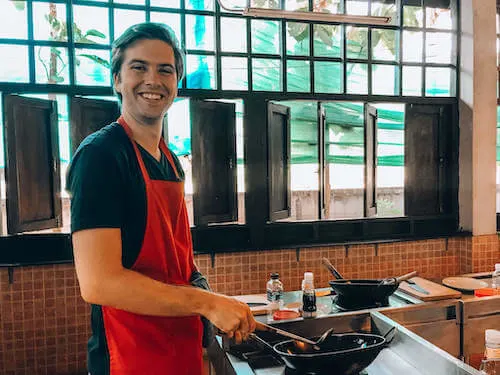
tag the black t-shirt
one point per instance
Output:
(107, 188)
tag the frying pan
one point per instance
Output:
(342, 354)
(366, 292)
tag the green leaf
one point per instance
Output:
(96, 59)
(19, 5)
(96, 33)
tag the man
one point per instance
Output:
(131, 236)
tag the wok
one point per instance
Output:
(342, 354)
(368, 292)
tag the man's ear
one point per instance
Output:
(116, 82)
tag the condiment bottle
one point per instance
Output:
(308, 296)
(495, 278)
(274, 289)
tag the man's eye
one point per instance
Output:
(166, 71)
(138, 67)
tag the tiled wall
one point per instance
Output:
(44, 322)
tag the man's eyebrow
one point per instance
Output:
(134, 61)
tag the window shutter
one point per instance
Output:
(88, 116)
(279, 184)
(213, 145)
(370, 135)
(32, 164)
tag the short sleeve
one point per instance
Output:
(95, 187)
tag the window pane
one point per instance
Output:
(200, 32)
(172, 20)
(235, 73)
(200, 4)
(386, 8)
(51, 65)
(390, 159)
(266, 75)
(357, 78)
(334, 7)
(438, 81)
(15, 68)
(385, 80)
(298, 76)
(385, 45)
(304, 163)
(413, 16)
(437, 18)
(233, 34)
(166, 3)
(357, 42)
(13, 20)
(200, 72)
(124, 18)
(302, 5)
(92, 67)
(439, 48)
(344, 154)
(412, 46)
(359, 7)
(297, 39)
(412, 80)
(49, 21)
(91, 24)
(328, 77)
(266, 37)
(327, 40)
(268, 4)
(133, 2)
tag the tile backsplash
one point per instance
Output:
(44, 323)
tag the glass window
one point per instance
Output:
(357, 42)
(357, 78)
(302, 5)
(266, 75)
(13, 20)
(334, 7)
(266, 37)
(200, 32)
(297, 39)
(438, 18)
(92, 67)
(440, 81)
(413, 16)
(412, 80)
(298, 76)
(439, 48)
(385, 45)
(386, 8)
(235, 73)
(199, 4)
(91, 24)
(15, 68)
(412, 46)
(124, 18)
(51, 65)
(131, 2)
(200, 72)
(49, 21)
(327, 40)
(165, 3)
(172, 20)
(357, 7)
(385, 79)
(233, 35)
(328, 77)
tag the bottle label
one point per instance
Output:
(309, 302)
(273, 296)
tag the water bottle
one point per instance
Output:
(274, 289)
(495, 278)
(308, 296)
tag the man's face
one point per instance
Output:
(147, 80)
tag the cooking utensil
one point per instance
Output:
(265, 327)
(466, 284)
(347, 353)
(417, 287)
(331, 268)
(397, 280)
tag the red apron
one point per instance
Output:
(150, 345)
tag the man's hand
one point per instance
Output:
(231, 316)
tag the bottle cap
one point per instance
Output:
(308, 276)
(497, 267)
(275, 275)
(492, 336)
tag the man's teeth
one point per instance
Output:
(151, 96)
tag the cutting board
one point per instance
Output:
(257, 302)
(436, 291)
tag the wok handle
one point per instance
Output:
(406, 277)
(392, 331)
(332, 269)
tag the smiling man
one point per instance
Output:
(131, 236)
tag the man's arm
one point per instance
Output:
(104, 281)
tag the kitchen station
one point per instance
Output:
(334, 165)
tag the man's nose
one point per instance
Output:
(152, 77)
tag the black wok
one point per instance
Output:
(366, 293)
(341, 354)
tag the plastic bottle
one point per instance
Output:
(308, 296)
(274, 289)
(495, 278)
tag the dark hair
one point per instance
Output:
(140, 31)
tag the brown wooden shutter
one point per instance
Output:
(88, 116)
(213, 145)
(279, 183)
(370, 135)
(32, 164)
(425, 159)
